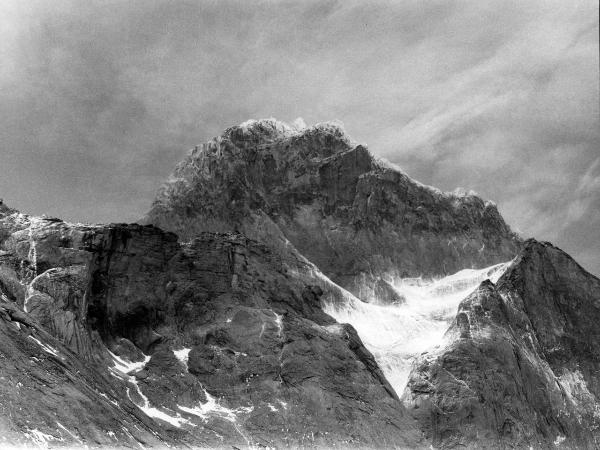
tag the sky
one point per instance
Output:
(100, 99)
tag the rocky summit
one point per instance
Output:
(287, 289)
(362, 221)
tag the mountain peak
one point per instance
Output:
(358, 218)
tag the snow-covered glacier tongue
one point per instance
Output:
(396, 334)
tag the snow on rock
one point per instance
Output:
(32, 254)
(127, 367)
(46, 348)
(62, 427)
(30, 291)
(155, 413)
(396, 334)
(559, 440)
(279, 323)
(183, 355)
(213, 408)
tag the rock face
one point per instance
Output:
(216, 342)
(360, 220)
(519, 367)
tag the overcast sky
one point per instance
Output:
(99, 100)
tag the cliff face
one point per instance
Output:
(218, 341)
(361, 221)
(519, 366)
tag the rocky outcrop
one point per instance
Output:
(519, 367)
(360, 220)
(220, 341)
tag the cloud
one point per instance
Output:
(100, 99)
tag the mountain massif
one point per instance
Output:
(212, 323)
(363, 222)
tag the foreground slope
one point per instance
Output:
(216, 342)
(362, 221)
(520, 365)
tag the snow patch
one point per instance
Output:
(213, 408)
(335, 329)
(30, 291)
(183, 355)
(559, 440)
(32, 254)
(279, 323)
(126, 367)
(155, 413)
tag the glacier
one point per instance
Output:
(396, 334)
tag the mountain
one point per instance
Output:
(289, 289)
(362, 221)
